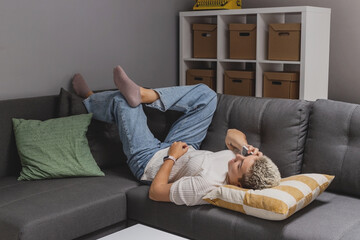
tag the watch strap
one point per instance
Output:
(170, 157)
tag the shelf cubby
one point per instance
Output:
(313, 66)
(223, 31)
(227, 65)
(188, 32)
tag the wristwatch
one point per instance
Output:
(169, 157)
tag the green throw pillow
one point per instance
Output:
(55, 148)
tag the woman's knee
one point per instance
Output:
(213, 102)
(204, 88)
(206, 91)
(208, 94)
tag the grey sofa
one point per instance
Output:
(300, 136)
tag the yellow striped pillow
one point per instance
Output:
(277, 203)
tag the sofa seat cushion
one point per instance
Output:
(330, 216)
(63, 208)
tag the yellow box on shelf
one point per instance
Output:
(217, 4)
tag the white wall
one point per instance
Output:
(344, 73)
(44, 42)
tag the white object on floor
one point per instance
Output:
(140, 231)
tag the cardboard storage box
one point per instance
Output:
(239, 83)
(242, 41)
(284, 42)
(205, 76)
(205, 38)
(281, 85)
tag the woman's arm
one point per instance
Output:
(160, 187)
(236, 139)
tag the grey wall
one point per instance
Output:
(344, 73)
(44, 42)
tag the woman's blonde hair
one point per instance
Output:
(262, 174)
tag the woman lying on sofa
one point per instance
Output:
(177, 170)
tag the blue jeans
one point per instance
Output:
(197, 102)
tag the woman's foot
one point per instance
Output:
(129, 89)
(80, 86)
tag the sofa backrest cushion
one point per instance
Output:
(38, 108)
(333, 144)
(276, 126)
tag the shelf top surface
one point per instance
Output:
(239, 60)
(256, 10)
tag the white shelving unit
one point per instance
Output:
(314, 53)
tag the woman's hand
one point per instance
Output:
(177, 149)
(235, 140)
(254, 151)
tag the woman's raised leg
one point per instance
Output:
(139, 144)
(197, 102)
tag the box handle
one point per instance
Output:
(206, 34)
(198, 78)
(237, 80)
(284, 34)
(244, 34)
(276, 83)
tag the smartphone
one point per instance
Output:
(244, 151)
